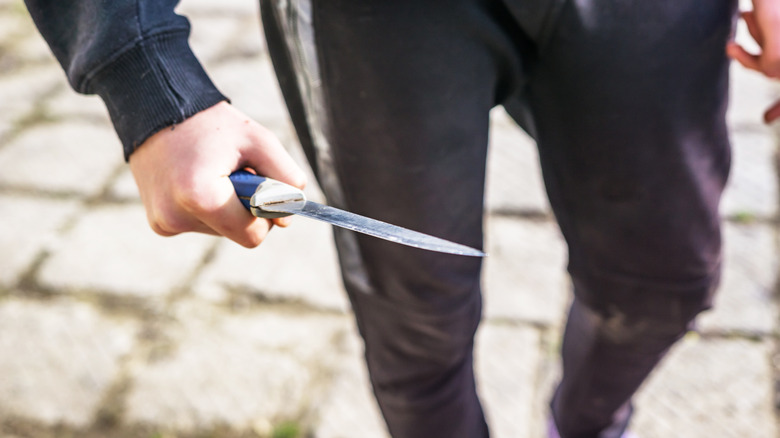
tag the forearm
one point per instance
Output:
(134, 54)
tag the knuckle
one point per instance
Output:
(155, 224)
(167, 223)
(159, 229)
(771, 64)
(252, 242)
(192, 199)
(254, 236)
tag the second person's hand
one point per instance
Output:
(763, 23)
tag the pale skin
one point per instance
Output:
(763, 23)
(182, 172)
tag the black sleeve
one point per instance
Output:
(132, 53)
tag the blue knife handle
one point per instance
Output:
(245, 184)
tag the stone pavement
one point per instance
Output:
(107, 330)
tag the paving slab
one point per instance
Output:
(525, 272)
(112, 250)
(28, 226)
(349, 409)
(124, 187)
(294, 264)
(5, 128)
(252, 87)
(33, 50)
(59, 358)
(249, 41)
(66, 104)
(710, 388)
(256, 367)
(21, 44)
(507, 362)
(514, 180)
(22, 88)
(74, 157)
(211, 36)
(746, 299)
(10, 26)
(752, 190)
(547, 377)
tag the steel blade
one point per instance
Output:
(372, 227)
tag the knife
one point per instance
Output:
(269, 198)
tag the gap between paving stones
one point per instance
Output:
(23, 428)
(36, 115)
(503, 321)
(528, 214)
(776, 335)
(244, 297)
(28, 281)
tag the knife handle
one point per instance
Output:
(266, 191)
(245, 184)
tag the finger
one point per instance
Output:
(218, 208)
(170, 224)
(752, 26)
(773, 113)
(283, 222)
(269, 158)
(747, 59)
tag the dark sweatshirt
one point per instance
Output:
(132, 53)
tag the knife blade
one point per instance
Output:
(269, 198)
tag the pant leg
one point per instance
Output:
(628, 101)
(398, 97)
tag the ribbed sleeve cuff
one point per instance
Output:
(155, 84)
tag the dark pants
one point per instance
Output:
(626, 101)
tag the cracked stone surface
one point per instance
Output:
(73, 157)
(524, 273)
(752, 187)
(234, 369)
(259, 97)
(507, 360)
(294, 264)
(65, 356)
(349, 409)
(708, 388)
(111, 249)
(67, 104)
(21, 89)
(26, 228)
(746, 299)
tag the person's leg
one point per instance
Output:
(395, 106)
(628, 102)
